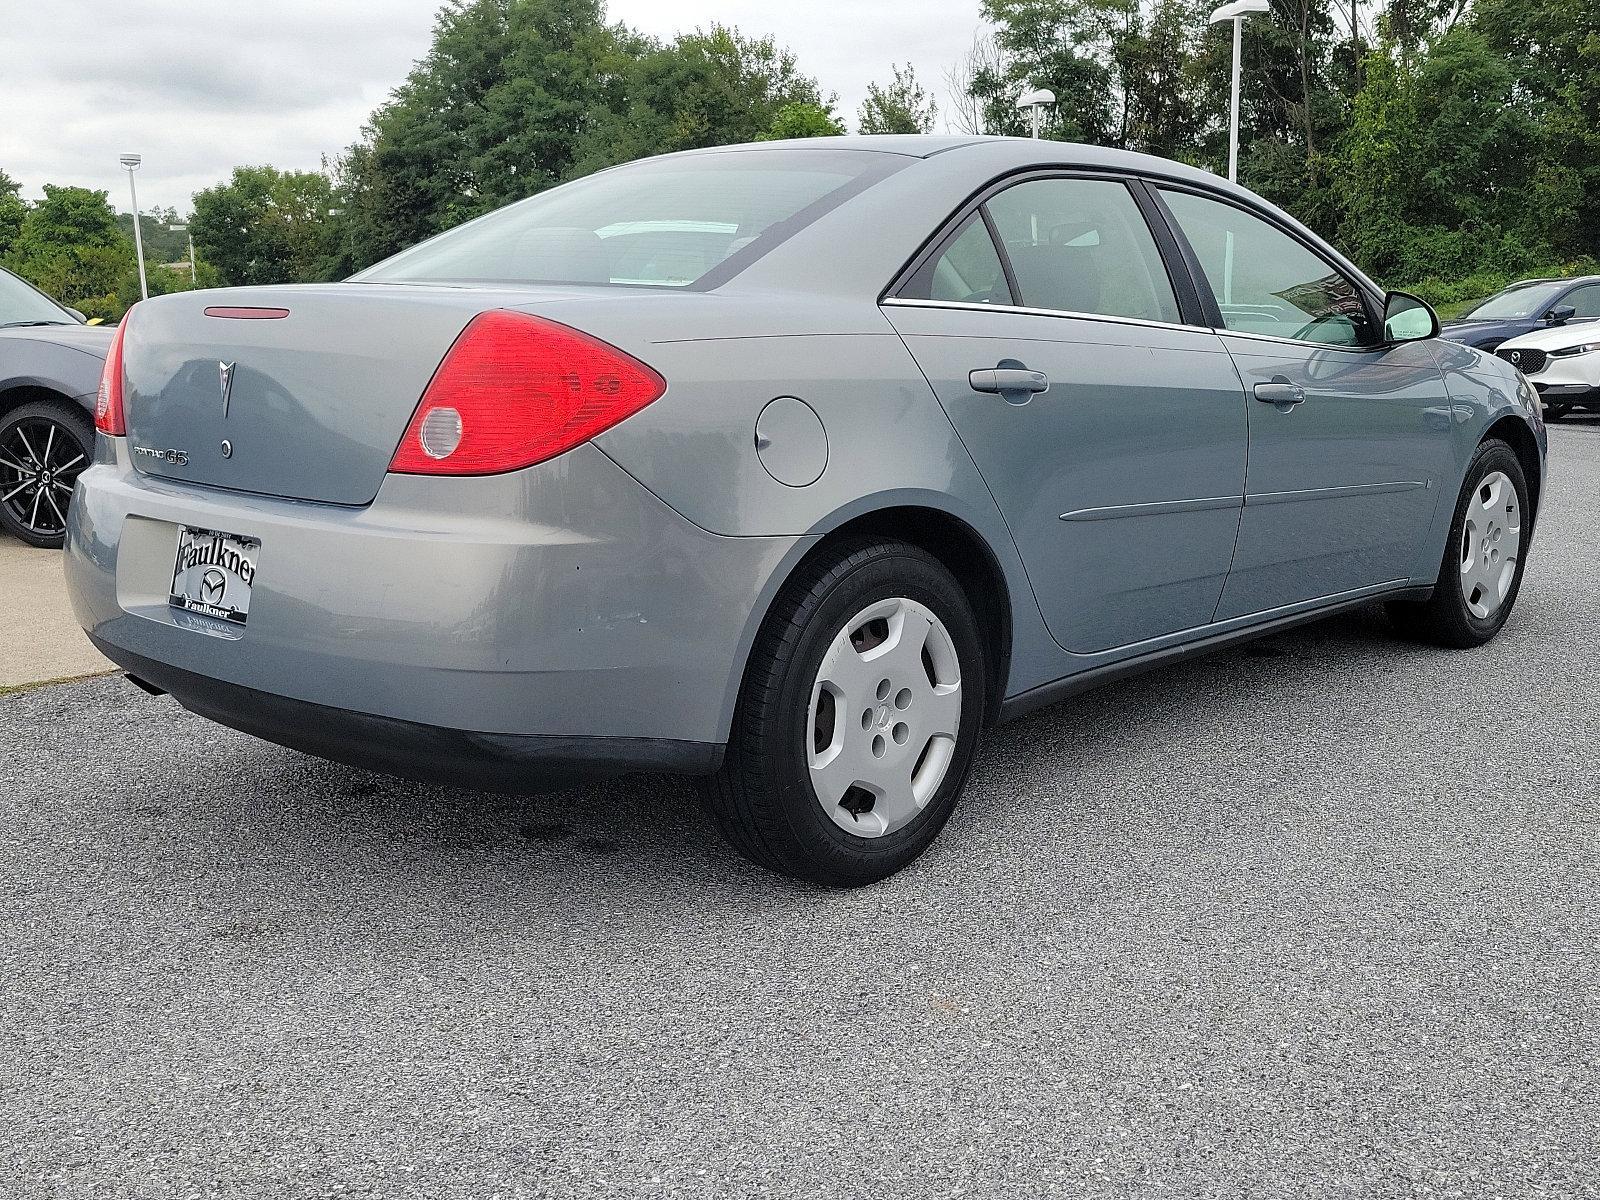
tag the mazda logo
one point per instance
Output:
(212, 586)
(1516, 358)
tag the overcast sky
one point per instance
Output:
(199, 86)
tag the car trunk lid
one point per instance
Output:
(296, 391)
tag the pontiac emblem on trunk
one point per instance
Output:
(225, 373)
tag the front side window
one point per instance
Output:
(1082, 246)
(1585, 300)
(1266, 281)
(665, 222)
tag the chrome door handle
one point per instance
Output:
(1281, 391)
(1015, 384)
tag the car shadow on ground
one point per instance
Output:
(332, 819)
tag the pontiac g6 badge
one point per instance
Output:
(177, 458)
(225, 377)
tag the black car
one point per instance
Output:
(1526, 306)
(50, 364)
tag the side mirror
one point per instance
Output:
(1560, 316)
(82, 320)
(1408, 319)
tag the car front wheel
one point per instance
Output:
(858, 718)
(44, 446)
(1483, 560)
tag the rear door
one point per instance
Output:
(1350, 439)
(1110, 430)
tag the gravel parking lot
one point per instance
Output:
(1316, 917)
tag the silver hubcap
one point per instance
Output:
(885, 711)
(1490, 542)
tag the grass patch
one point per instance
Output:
(1452, 297)
(13, 689)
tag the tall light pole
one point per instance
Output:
(130, 163)
(1236, 12)
(194, 272)
(1037, 100)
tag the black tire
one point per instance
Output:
(31, 425)
(1555, 412)
(762, 798)
(1444, 619)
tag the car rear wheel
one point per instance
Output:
(44, 446)
(1482, 568)
(858, 718)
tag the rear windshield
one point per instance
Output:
(687, 222)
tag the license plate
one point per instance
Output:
(213, 574)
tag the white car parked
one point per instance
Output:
(1562, 362)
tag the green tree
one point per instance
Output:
(706, 88)
(12, 212)
(495, 111)
(66, 220)
(161, 242)
(1552, 48)
(904, 106)
(267, 226)
(803, 119)
(69, 246)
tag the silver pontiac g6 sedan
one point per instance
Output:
(793, 466)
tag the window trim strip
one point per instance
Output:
(1023, 310)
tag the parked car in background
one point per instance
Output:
(793, 465)
(50, 365)
(1524, 307)
(1562, 363)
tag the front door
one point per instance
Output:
(1350, 439)
(1112, 435)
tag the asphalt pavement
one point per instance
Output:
(1313, 918)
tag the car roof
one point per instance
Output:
(1527, 283)
(1020, 152)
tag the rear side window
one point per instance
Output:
(1266, 281)
(967, 271)
(1082, 245)
(681, 222)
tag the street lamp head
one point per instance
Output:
(131, 161)
(176, 228)
(1035, 99)
(1236, 9)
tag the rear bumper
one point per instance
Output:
(560, 620)
(455, 757)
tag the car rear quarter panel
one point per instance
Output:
(889, 443)
(30, 363)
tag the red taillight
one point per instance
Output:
(108, 414)
(515, 390)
